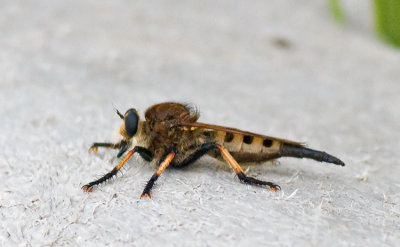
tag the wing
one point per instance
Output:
(238, 131)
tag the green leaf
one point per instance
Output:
(337, 10)
(387, 17)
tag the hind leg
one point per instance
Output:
(240, 173)
(206, 147)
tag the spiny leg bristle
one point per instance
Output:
(249, 180)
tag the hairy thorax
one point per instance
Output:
(162, 132)
(161, 139)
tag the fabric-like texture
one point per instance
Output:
(279, 68)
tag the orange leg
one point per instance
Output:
(89, 187)
(239, 171)
(163, 165)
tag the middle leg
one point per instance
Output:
(200, 152)
(164, 163)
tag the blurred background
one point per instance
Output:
(323, 72)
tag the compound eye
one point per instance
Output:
(131, 120)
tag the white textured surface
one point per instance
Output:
(63, 65)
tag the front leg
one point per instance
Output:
(122, 146)
(146, 154)
(164, 163)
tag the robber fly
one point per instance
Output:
(171, 135)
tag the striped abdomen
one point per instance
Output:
(258, 148)
(246, 148)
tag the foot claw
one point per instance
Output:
(93, 149)
(274, 187)
(87, 188)
(145, 195)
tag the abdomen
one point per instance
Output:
(246, 148)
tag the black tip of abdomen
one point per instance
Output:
(302, 152)
(334, 160)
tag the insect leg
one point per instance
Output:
(239, 171)
(302, 152)
(201, 151)
(142, 151)
(164, 163)
(122, 145)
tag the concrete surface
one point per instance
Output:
(282, 68)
